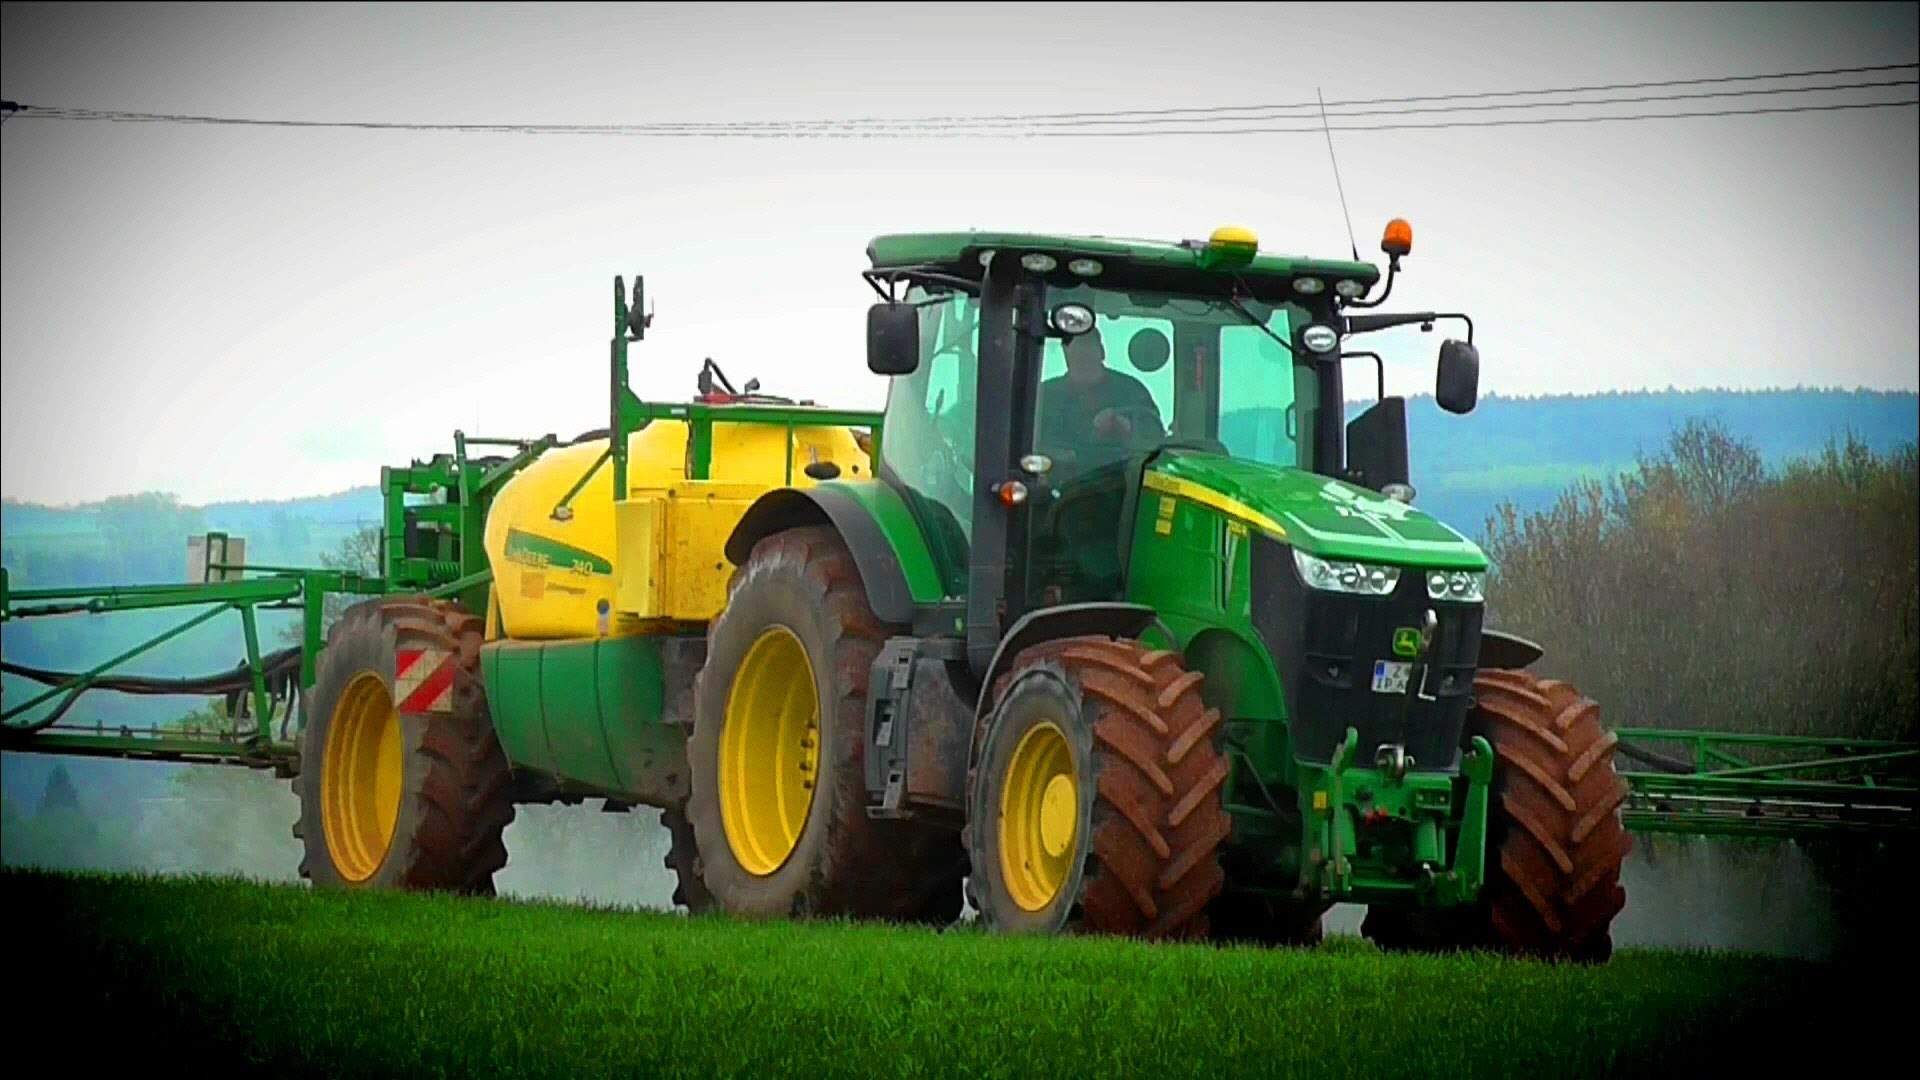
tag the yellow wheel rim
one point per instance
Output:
(1039, 817)
(360, 777)
(769, 751)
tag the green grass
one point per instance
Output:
(220, 973)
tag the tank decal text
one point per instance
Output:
(529, 549)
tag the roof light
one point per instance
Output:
(1085, 267)
(1349, 288)
(1309, 286)
(1038, 261)
(1072, 319)
(1398, 239)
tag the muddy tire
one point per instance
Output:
(777, 802)
(1095, 801)
(396, 800)
(1555, 841)
(683, 858)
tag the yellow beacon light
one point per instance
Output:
(1230, 245)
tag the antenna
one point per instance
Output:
(1336, 175)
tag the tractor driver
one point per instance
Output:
(1092, 414)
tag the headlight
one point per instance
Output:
(1348, 577)
(1463, 585)
(1320, 338)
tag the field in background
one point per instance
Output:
(350, 984)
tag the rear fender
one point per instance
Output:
(895, 567)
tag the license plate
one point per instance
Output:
(1390, 677)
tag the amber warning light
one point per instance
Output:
(1398, 240)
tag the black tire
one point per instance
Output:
(843, 864)
(1149, 774)
(456, 786)
(683, 858)
(1555, 839)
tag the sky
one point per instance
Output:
(242, 312)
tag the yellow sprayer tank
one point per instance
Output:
(656, 557)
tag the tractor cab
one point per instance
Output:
(1037, 379)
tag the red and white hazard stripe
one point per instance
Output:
(424, 680)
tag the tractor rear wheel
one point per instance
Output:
(777, 802)
(393, 799)
(1555, 841)
(1095, 803)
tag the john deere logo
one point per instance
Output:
(1406, 641)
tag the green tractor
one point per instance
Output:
(1130, 632)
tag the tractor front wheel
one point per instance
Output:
(1095, 803)
(1555, 841)
(402, 799)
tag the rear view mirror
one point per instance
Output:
(893, 339)
(1458, 385)
(637, 319)
(1377, 445)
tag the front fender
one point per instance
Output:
(1064, 620)
(1509, 651)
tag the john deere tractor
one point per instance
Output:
(1130, 610)
(1110, 623)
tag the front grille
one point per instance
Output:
(1325, 645)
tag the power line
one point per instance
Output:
(1096, 116)
(1009, 133)
(933, 128)
(1355, 101)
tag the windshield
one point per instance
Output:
(1160, 368)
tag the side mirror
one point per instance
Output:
(637, 319)
(893, 339)
(1458, 385)
(1377, 445)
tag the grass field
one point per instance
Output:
(222, 974)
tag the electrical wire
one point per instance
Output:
(1062, 124)
(1130, 133)
(1015, 117)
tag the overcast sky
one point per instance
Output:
(249, 312)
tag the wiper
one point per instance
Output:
(1234, 301)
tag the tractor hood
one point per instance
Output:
(1317, 514)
